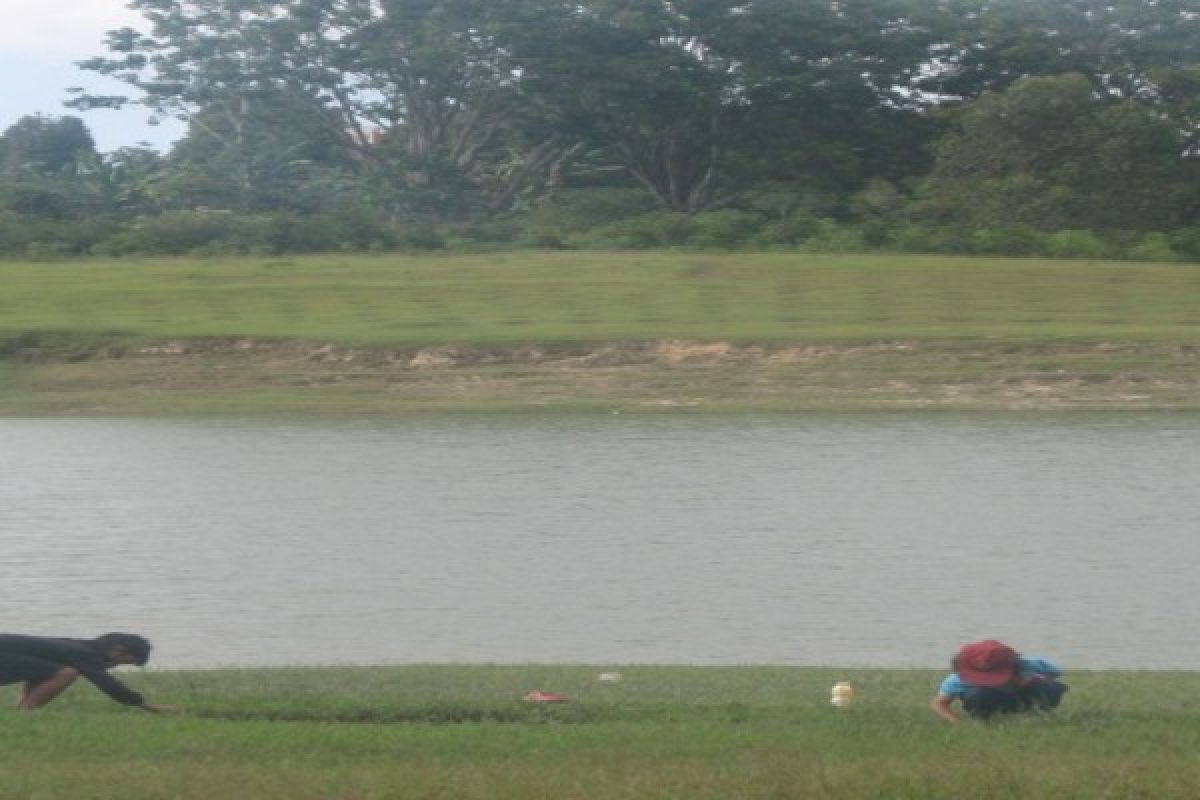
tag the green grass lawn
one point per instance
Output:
(591, 297)
(678, 732)
(901, 332)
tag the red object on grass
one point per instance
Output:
(545, 697)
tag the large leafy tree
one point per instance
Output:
(44, 145)
(43, 165)
(1121, 46)
(1051, 153)
(631, 80)
(441, 108)
(697, 99)
(417, 90)
(265, 158)
(822, 90)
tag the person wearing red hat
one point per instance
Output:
(990, 677)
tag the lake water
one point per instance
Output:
(872, 540)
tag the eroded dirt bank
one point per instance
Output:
(187, 376)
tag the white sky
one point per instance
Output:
(40, 41)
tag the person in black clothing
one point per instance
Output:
(47, 666)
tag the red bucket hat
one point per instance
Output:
(988, 663)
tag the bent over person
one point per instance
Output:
(47, 666)
(990, 677)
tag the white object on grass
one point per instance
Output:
(843, 694)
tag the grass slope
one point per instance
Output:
(593, 297)
(543, 330)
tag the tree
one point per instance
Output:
(697, 99)
(629, 76)
(42, 160)
(43, 145)
(1052, 153)
(416, 89)
(1118, 45)
(259, 158)
(821, 87)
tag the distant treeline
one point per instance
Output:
(1011, 127)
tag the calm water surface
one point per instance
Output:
(857, 540)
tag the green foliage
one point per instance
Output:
(44, 145)
(542, 239)
(793, 229)
(727, 228)
(177, 233)
(1050, 153)
(1186, 242)
(1075, 244)
(576, 210)
(47, 251)
(214, 233)
(1014, 240)
(21, 234)
(834, 238)
(927, 239)
(488, 233)
(415, 238)
(664, 229)
(18, 231)
(659, 229)
(948, 127)
(1152, 247)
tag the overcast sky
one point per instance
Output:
(40, 41)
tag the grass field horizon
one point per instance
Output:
(660, 731)
(538, 296)
(591, 330)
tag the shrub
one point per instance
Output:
(418, 238)
(583, 210)
(727, 227)
(793, 229)
(542, 239)
(42, 239)
(47, 251)
(660, 229)
(1186, 242)
(606, 237)
(1152, 247)
(921, 239)
(1076, 244)
(876, 233)
(172, 233)
(1014, 240)
(308, 233)
(834, 238)
(665, 228)
(488, 232)
(18, 232)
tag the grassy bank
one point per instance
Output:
(465, 732)
(596, 331)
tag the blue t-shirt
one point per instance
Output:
(954, 686)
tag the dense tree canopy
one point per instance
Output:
(1052, 153)
(762, 121)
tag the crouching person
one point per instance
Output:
(990, 677)
(46, 666)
